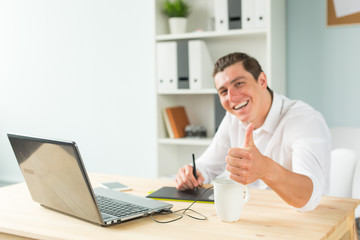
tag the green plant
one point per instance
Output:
(176, 8)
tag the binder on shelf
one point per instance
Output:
(182, 54)
(173, 65)
(219, 112)
(200, 65)
(234, 11)
(176, 120)
(221, 15)
(248, 14)
(260, 14)
(227, 14)
(167, 65)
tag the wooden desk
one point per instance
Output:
(265, 216)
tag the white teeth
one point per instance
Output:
(241, 105)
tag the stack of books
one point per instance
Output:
(176, 120)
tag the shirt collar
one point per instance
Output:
(273, 116)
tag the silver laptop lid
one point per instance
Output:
(55, 176)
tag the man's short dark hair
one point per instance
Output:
(250, 64)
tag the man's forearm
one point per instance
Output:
(295, 189)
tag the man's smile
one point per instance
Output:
(241, 105)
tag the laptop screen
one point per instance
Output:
(55, 175)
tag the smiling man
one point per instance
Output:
(265, 139)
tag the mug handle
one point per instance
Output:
(246, 194)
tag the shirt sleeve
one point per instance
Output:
(310, 142)
(212, 162)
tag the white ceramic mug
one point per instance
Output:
(229, 197)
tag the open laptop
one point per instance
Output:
(57, 179)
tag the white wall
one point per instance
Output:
(323, 62)
(80, 70)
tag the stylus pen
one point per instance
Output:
(194, 169)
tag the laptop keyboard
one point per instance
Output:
(112, 207)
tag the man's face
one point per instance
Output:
(241, 95)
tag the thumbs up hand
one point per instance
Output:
(246, 164)
(249, 140)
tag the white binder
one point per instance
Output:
(166, 65)
(234, 12)
(221, 15)
(260, 14)
(200, 65)
(248, 14)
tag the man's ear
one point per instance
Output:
(262, 80)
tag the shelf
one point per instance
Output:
(212, 34)
(186, 141)
(187, 91)
(267, 45)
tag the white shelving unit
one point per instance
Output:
(187, 91)
(212, 34)
(266, 45)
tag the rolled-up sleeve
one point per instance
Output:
(311, 148)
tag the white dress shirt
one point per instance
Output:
(294, 135)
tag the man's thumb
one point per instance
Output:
(249, 141)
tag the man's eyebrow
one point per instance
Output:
(236, 79)
(231, 82)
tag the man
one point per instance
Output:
(265, 140)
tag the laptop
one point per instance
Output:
(56, 178)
